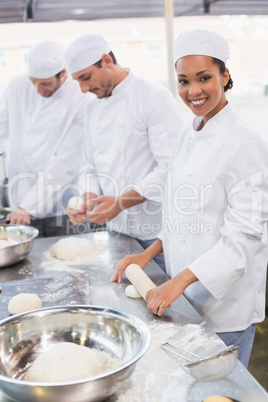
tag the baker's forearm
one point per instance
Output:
(130, 199)
(141, 259)
(152, 251)
(185, 278)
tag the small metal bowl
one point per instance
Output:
(210, 368)
(24, 336)
(23, 236)
(214, 367)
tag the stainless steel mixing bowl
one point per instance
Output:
(24, 336)
(23, 236)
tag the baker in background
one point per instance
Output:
(41, 116)
(131, 129)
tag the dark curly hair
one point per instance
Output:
(222, 69)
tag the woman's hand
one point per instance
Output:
(161, 297)
(139, 259)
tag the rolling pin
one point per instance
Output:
(140, 280)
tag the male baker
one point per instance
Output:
(131, 128)
(41, 120)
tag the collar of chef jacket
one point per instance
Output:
(215, 120)
(123, 84)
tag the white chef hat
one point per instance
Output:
(201, 42)
(85, 51)
(45, 60)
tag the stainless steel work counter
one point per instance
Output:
(158, 376)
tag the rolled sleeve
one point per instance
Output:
(160, 236)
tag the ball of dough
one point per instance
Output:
(75, 203)
(23, 302)
(131, 291)
(67, 361)
(74, 248)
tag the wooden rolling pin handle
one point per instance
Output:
(140, 280)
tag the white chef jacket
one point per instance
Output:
(129, 140)
(215, 220)
(45, 144)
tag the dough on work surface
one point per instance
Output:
(217, 398)
(67, 361)
(75, 202)
(131, 291)
(74, 248)
(23, 302)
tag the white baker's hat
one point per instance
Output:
(201, 42)
(45, 60)
(85, 51)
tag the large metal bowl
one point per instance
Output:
(23, 236)
(24, 336)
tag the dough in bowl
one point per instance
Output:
(74, 248)
(67, 361)
(4, 242)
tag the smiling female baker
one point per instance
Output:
(215, 207)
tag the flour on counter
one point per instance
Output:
(64, 288)
(52, 264)
(160, 332)
(150, 388)
(57, 291)
(191, 337)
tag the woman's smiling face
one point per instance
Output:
(201, 85)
